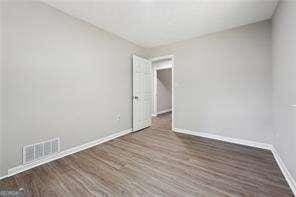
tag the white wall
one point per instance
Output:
(164, 90)
(223, 82)
(66, 78)
(63, 78)
(284, 75)
(1, 170)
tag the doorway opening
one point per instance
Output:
(162, 90)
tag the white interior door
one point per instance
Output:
(142, 93)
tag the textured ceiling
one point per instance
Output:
(150, 23)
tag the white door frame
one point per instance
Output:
(155, 91)
(166, 57)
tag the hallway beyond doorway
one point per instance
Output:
(162, 121)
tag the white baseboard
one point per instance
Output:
(3, 177)
(285, 171)
(164, 111)
(226, 139)
(76, 149)
(64, 153)
(270, 147)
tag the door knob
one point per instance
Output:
(136, 97)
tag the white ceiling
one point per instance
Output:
(150, 23)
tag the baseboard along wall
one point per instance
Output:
(64, 153)
(76, 149)
(164, 111)
(270, 147)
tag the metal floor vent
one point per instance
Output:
(40, 150)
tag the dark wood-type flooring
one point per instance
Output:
(155, 162)
(162, 121)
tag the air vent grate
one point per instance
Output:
(47, 148)
(55, 145)
(29, 153)
(40, 150)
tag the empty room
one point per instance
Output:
(148, 98)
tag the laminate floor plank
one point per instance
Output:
(157, 162)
